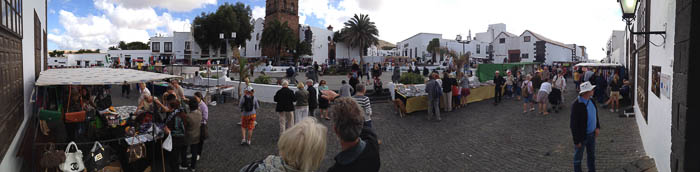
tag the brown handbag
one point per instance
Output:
(52, 157)
(136, 151)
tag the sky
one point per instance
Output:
(92, 24)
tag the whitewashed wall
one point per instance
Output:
(656, 134)
(10, 162)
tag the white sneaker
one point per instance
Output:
(197, 157)
(243, 142)
(611, 110)
(189, 156)
(248, 142)
(183, 168)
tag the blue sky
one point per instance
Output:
(87, 8)
(75, 24)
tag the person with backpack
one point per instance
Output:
(527, 90)
(249, 105)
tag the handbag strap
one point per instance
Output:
(70, 90)
(69, 146)
(94, 146)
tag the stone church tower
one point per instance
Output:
(283, 11)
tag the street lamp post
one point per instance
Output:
(459, 40)
(629, 9)
(233, 36)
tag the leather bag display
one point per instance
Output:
(74, 117)
(99, 157)
(136, 151)
(52, 157)
(74, 160)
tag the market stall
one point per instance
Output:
(485, 72)
(415, 98)
(95, 134)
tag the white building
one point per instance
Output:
(510, 48)
(417, 46)
(491, 32)
(615, 48)
(130, 57)
(57, 62)
(24, 57)
(252, 47)
(87, 59)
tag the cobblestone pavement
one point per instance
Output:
(480, 137)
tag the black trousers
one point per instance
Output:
(499, 94)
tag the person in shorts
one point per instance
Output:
(249, 105)
(527, 90)
(543, 96)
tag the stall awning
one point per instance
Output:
(97, 76)
(598, 65)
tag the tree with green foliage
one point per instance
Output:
(434, 47)
(361, 32)
(137, 45)
(122, 45)
(227, 19)
(56, 53)
(279, 36)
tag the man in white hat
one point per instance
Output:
(585, 126)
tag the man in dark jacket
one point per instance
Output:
(448, 81)
(360, 148)
(285, 106)
(498, 81)
(434, 93)
(313, 98)
(585, 126)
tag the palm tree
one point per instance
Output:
(359, 31)
(278, 35)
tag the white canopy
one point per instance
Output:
(598, 65)
(97, 76)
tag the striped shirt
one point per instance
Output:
(363, 101)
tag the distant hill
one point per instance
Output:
(383, 43)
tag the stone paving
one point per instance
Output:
(480, 137)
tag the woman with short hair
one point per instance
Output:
(301, 148)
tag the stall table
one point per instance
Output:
(420, 103)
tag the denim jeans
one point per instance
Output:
(589, 145)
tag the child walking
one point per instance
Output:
(248, 105)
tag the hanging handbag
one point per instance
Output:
(50, 115)
(99, 157)
(204, 131)
(74, 117)
(52, 157)
(136, 151)
(74, 160)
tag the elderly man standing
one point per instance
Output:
(585, 126)
(360, 147)
(313, 97)
(499, 81)
(285, 99)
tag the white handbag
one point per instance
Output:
(168, 143)
(74, 160)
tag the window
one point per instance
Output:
(187, 45)
(502, 40)
(526, 39)
(155, 46)
(168, 47)
(525, 56)
(478, 49)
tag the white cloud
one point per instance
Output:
(52, 11)
(117, 23)
(587, 23)
(172, 5)
(258, 12)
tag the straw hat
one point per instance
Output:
(586, 87)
